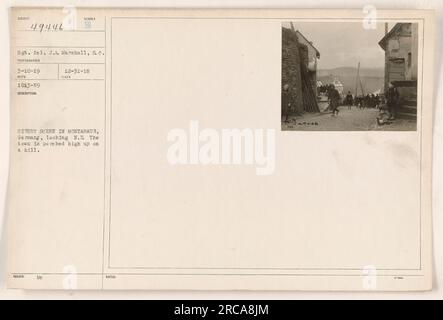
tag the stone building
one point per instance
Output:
(401, 57)
(299, 68)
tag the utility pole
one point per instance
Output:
(361, 87)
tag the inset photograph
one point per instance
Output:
(348, 76)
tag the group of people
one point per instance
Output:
(387, 103)
(363, 101)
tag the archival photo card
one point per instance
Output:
(165, 149)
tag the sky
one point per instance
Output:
(344, 44)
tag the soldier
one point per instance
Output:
(334, 98)
(349, 100)
(286, 102)
(392, 99)
(377, 101)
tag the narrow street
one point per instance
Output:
(347, 120)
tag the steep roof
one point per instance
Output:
(383, 41)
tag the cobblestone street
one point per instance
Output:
(347, 120)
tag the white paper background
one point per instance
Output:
(437, 293)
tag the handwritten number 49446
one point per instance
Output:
(40, 27)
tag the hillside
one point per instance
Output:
(372, 79)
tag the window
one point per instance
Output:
(409, 59)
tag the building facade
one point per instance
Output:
(310, 58)
(401, 65)
(299, 72)
(401, 52)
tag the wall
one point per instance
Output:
(414, 67)
(291, 68)
(311, 60)
(403, 42)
